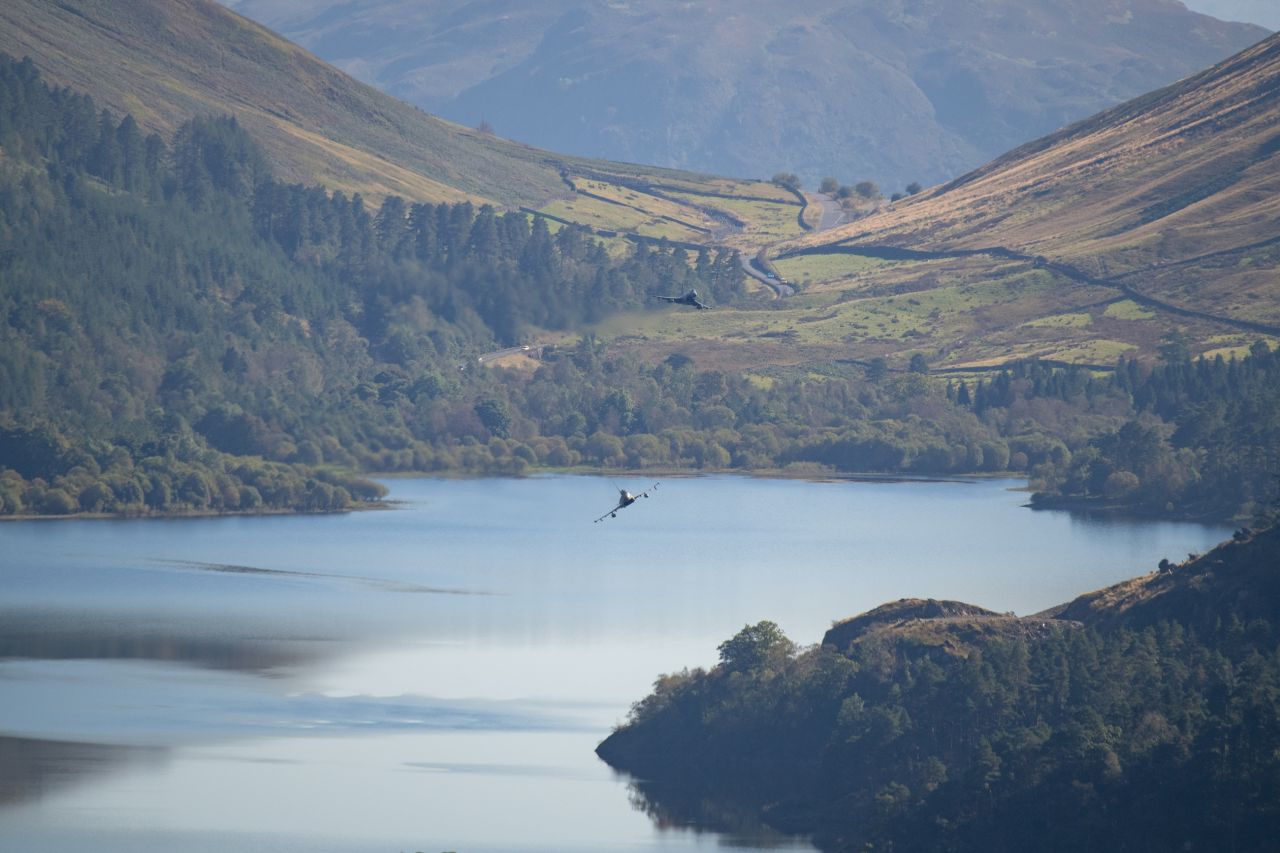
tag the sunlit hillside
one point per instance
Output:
(1154, 223)
(165, 61)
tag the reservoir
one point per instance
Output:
(435, 676)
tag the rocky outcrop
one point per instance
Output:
(844, 632)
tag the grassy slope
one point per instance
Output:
(1172, 193)
(1175, 195)
(167, 60)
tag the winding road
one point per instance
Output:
(779, 287)
(832, 214)
(832, 210)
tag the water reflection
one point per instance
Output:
(357, 580)
(161, 703)
(732, 823)
(31, 769)
(56, 636)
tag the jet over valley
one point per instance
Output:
(690, 298)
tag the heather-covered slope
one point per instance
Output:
(165, 61)
(1175, 194)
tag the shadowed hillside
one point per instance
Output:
(1142, 716)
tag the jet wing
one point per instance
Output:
(607, 514)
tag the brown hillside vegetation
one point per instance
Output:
(1175, 194)
(166, 61)
(907, 611)
(1240, 577)
(1154, 223)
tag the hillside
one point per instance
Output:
(1171, 198)
(1237, 578)
(1143, 716)
(171, 315)
(1148, 226)
(166, 61)
(892, 92)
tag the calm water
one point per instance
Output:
(436, 677)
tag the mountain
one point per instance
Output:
(1147, 231)
(893, 92)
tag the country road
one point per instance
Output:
(832, 210)
(832, 214)
(779, 288)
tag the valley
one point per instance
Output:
(244, 294)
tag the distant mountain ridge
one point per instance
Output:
(893, 92)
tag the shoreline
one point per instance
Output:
(671, 473)
(1038, 501)
(168, 516)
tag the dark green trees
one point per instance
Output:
(1142, 732)
(755, 646)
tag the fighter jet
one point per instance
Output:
(690, 298)
(626, 499)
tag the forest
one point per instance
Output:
(182, 332)
(180, 328)
(1151, 731)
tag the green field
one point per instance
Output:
(1127, 309)
(765, 221)
(1073, 320)
(1100, 351)
(821, 269)
(652, 205)
(595, 213)
(712, 186)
